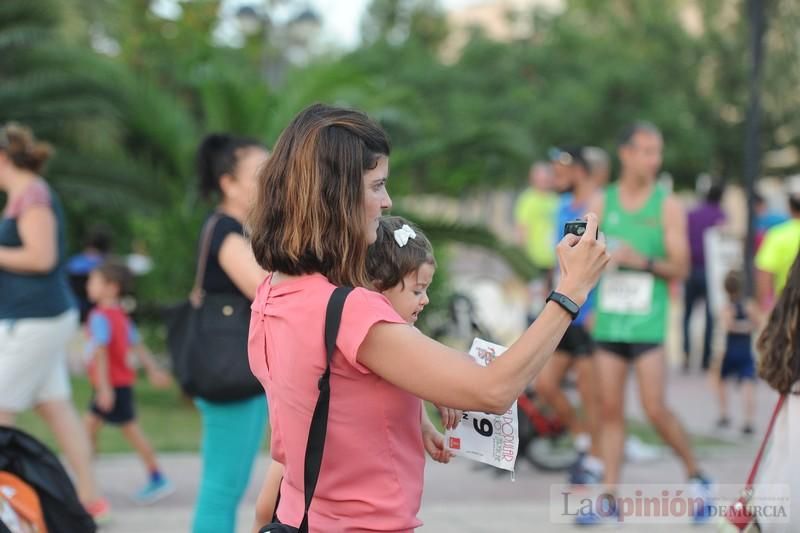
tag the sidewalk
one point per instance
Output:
(459, 498)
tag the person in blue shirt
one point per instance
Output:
(576, 349)
(97, 246)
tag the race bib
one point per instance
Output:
(627, 292)
(490, 439)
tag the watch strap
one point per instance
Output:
(566, 303)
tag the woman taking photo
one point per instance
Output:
(319, 201)
(38, 314)
(232, 431)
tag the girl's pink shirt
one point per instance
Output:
(372, 471)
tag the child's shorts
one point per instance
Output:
(122, 412)
(739, 366)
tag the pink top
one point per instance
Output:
(37, 194)
(372, 470)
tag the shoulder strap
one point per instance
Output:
(754, 471)
(319, 422)
(202, 258)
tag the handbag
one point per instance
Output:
(319, 421)
(207, 338)
(739, 516)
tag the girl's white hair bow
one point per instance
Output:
(402, 235)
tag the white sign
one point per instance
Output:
(488, 438)
(723, 253)
(627, 292)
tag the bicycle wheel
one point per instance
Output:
(554, 453)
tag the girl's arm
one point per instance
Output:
(755, 315)
(268, 496)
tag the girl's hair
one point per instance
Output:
(387, 262)
(218, 155)
(309, 214)
(779, 343)
(19, 143)
(733, 284)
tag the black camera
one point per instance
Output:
(577, 227)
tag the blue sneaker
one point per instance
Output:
(594, 519)
(155, 490)
(608, 515)
(580, 474)
(702, 489)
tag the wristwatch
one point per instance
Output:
(566, 303)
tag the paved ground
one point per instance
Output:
(459, 498)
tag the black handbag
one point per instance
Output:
(207, 339)
(315, 445)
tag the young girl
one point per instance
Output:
(740, 318)
(779, 366)
(401, 266)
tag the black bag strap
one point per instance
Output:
(319, 421)
(196, 296)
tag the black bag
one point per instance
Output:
(207, 339)
(34, 463)
(319, 421)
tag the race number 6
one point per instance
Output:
(484, 427)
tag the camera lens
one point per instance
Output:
(581, 230)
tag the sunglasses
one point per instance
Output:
(559, 156)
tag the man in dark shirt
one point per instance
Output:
(701, 218)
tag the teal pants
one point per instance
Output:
(232, 435)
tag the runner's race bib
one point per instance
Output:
(483, 437)
(626, 292)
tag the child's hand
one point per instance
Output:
(105, 399)
(434, 445)
(159, 379)
(450, 417)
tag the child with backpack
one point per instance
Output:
(112, 335)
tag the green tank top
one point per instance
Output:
(632, 306)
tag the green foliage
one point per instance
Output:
(126, 123)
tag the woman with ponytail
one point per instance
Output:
(232, 431)
(38, 314)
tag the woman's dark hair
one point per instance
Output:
(218, 155)
(388, 262)
(19, 143)
(99, 238)
(779, 343)
(715, 192)
(309, 213)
